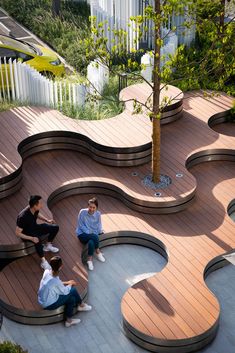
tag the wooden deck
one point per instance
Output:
(172, 311)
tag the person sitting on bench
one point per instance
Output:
(54, 293)
(88, 229)
(28, 229)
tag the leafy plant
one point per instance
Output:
(94, 110)
(5, 105)
(9, 347)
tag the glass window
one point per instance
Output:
(18, 45)
(8, 54)
(24, 57)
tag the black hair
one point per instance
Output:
(55, 263)
(33, 200)
(94, 201)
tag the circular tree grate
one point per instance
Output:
(165, 181)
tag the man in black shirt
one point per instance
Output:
(28, 229)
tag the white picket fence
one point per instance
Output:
(117, 14)
(147, 60)
(20, 82)
(98, 76)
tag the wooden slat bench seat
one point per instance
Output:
(20, 279)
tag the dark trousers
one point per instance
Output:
(70, 301)
(92, 240)
(41, 231)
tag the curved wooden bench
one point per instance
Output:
(171, 200)
(169, 300)
(142, 91)
(20, 279)
(115, 141)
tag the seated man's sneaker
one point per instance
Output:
(85, 307)
(72, 322)
(100, 257)
(90, 265)
(49, 247)
(45, 265)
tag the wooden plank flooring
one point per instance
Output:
(174, 308)
(194, 308)
(182, 137)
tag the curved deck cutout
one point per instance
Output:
(219, 118)
(231, 207)
(210, 155)
(42, 317)
(140, 205)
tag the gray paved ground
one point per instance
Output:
(99, 332)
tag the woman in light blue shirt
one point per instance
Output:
(89, 227)
(54, 293)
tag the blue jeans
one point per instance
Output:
(70, 301)
(92, 240)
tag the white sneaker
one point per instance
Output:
(100, 257)
(86, 307)
(50, 247)
(90, 265)
(72, 322)
(45, 265)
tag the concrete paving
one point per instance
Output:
(101, 330)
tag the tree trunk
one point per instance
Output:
(222, 15)
(56, 7)
(156, 129)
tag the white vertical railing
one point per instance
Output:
(20, 82)
(98, 77)
(167, 50)
(117, 13)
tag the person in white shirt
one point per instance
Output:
(54, 293)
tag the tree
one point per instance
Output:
(56, 7)
(193, 67)
(156, 114)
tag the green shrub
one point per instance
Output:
(23, 11)
(100, 109)
(9, 347)
(5, 105)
